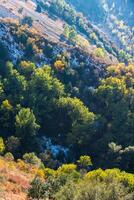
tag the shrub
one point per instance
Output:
(9, 156)
(12, 144)
(6, 105)
(102, 191)
(37, 189)
(66, 168)
(2, 145)
(99, 52)
(40, 173)
(31, 158)
(59, 65)
(22, 165)
(84, 161)
(100, 185)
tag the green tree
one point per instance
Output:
(26, 125)
(43, 92)
(14, 85)
(66, 31)
(84, 161)
(73, 35)
(12, 144)
(31, 158)
(6, 118)
(37, 189)
(71, 112)
(99, 52)
(27, 130)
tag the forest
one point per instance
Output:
(66, 114)
(35, 103)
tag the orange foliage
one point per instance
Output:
(59, 65)
(40, 173)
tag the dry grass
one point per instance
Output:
(14, 182)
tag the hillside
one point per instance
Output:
(44, 24)
(122, 9)
(52, 25)
(66, 100)
(114, 18)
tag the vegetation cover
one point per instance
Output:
(66, 116)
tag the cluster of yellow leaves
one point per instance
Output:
(6, 165)
(22, 165)
(40, 173)
(2, 145)
(99, 52)
(59, 65)
(125, 73)
(24, 64)
(28, 168)
(121, 70)
(6, 105)
(49, 172)
(110, 174)
(66, 168)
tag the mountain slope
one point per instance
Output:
(97, 10)
(44, 24)
(115, 19)
(66, 101)
(52, 25)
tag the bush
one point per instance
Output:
(84, 161)
(9, 156)
(12, 144)
(67, 168)
(22, 165)
(59, 65)
(99, 52)
(98, 185)
(40, 173)
(2, 145)
(102, 191)
(31, 158)
(37, 189)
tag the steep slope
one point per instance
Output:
(63, 94)
(51, 25)
(97, 10)
(115, 19)
(45, 25)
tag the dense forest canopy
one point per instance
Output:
(67, 107)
